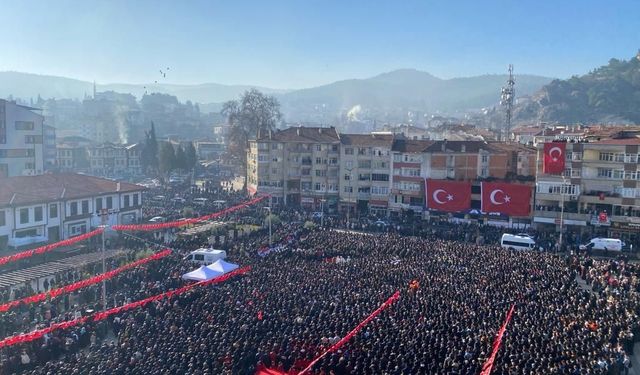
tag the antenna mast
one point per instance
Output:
(506, 100)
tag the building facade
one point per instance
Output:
(21, 140)
(49, 148)
(52, 207)
(296, 166)
(365, 173)
(601, 180)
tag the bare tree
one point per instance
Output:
(253, 114)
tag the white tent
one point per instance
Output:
(222, 266)
(202, 273)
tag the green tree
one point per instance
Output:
(254, 113)
(167, 158)
(149, 156)
(181, 159)
(192, 157)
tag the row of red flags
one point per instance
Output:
(34, 335)
(501, 197)
(53, 293)
(129, 227)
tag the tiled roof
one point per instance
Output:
(380, 140)
(302, 134)
(457, 146)
(410, 145)
(618, 141)
(22, 190)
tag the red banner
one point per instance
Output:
(354, 331)
(34, 335)
(47, 248)
(488, 365)
(53, 293)
(554, 156)
(448, 196)
(505, 198)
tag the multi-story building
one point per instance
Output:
(207, 150)
(365, 173)
(51, 207)
(601, 180)
(21, 140)
(296, 166)
(49, 148)
(73, 154)
(107, 159)
(410, 166)
(134, 159)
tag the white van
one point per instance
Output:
(200, 201)
(517, 242)
(205, 256)
(598, 243)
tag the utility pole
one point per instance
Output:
(104, 216)
(349, 204)
(562, 192)
(507, 96)
(270, 215)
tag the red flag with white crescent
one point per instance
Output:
(448, 196)
(554, 156)
(505, 198)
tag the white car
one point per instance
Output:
(157, 219)
(610, 244)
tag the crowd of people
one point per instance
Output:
(296, 303)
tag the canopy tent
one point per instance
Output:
(222, 266)
(202, 273)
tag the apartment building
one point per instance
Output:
(600, 189)
(297, 165)
(52, 207)
(134, 159)
(365, 173)
(21, 140)
(49, 148)
(410, 165)
(72, 154)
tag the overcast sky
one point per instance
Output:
(303, 43)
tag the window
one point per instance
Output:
(33, 139)
(333, 161)
(605, 172)
(364, 164)
(347, 177)
(24, 215)
(348, 151)
(380, 165)
(349, 164)
(318, 160)
(348, 189)
(606, 156)
(380, 190)
(317, 186)
(30, 152)
(24, 125)
(126, 200)
(3, 221)
(485, 158)
(109, 202)
(364, 177)
(73, 208)
(274, 170)
(305, 186)
(318, 147)
(321, 173)
(135, 199)
(379, 177)
(37, 213)
(334, 148)
(305, 172)
(484, 172)
(53, 210)
(263, 146)
(98, 204)
(362, 151)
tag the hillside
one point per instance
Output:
(393, 94)
(609, 94)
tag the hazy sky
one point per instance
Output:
(294, 44)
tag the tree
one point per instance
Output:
(253, 114)
(167, 157)
(149, 156)
(181, 159)
(192, 158)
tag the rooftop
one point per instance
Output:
(22, 190)
(380, 140)
(302, 134)
(411, 145)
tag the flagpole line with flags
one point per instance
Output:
(128, 227)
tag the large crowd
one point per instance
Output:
(296, 303)
(573, 314)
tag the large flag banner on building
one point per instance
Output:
(448, 196)
(508, 199)
(554, 155)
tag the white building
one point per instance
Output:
(52, 207)
(21, 139)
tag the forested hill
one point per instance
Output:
(609, 94)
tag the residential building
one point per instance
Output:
(107, 159)
(600, 177)
(21, 140)
(365, 173)
(297, 166)
(410, 167)
(49, 148)
(207, 150)
(52, 207)
(134, 159)
(73, 154)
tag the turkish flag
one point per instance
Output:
(509, 199)
(554, 154)
(448, 196)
